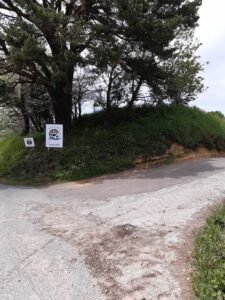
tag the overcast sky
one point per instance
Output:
(211, 32)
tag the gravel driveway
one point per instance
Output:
(122, 237)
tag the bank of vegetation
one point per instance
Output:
(98, 145)
(209, 254)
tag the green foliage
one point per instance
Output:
(218, 114)
(209, 253)
(98, 146)
(11, 152)
(44, 41)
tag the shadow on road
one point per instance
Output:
(201, 168)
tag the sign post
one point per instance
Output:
(54, 136)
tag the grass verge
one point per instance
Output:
(101, 145)
(209, 259)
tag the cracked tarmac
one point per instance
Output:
(112, 238)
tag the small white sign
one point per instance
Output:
(54, 136)
(29, 142)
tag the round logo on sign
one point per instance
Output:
(54, 134)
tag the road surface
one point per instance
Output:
(121, 237)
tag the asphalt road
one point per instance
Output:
(115, 237)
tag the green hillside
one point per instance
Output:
(100, 145)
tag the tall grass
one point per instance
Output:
(11, 151)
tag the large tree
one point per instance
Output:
(43, 41)
(184, 72)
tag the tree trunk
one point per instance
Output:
(135, 93)
(47, 116)
(36, 124)
(26, 123)
(108, 94)
(25, 115)
(108, 97)
(76, 111)
(62, 102)
(79, 108)
(63, 110)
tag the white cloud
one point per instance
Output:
(211, 33)
(211, 21)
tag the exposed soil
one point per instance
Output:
(184, 266)
(177, 153)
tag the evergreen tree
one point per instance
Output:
(43, 41)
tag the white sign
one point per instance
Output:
(54, 136)
(29, 142)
